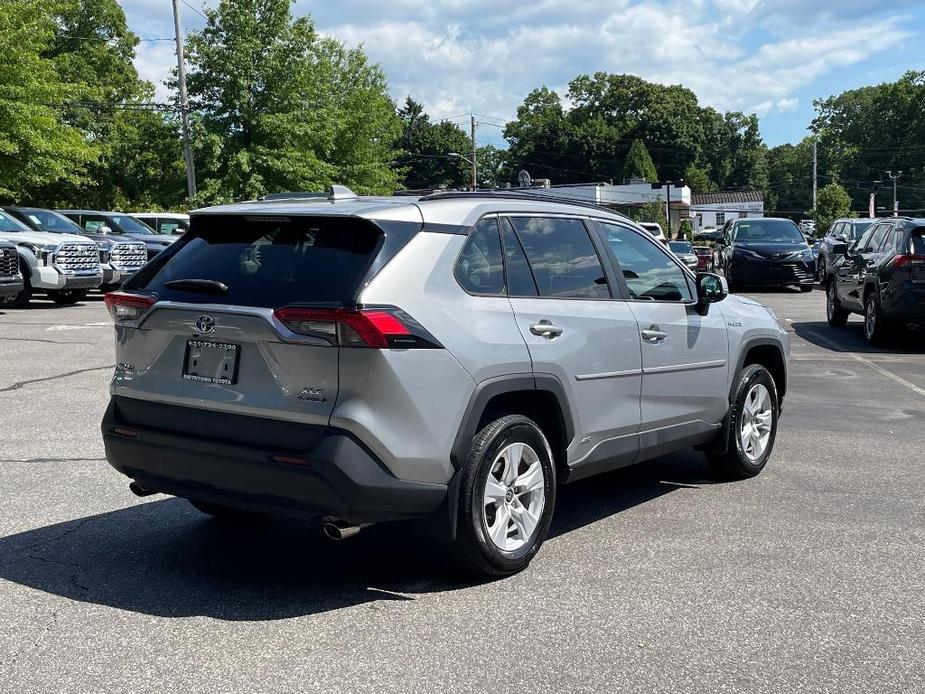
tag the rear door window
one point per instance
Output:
(268, 262)
(877, 238)
(562, 257)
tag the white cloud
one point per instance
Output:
(486, 55)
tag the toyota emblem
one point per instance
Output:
(205, 324)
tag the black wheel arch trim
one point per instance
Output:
(492, 387)
(747, 346)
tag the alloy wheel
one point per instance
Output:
(755, 425)
(870, 319)
(514, 497)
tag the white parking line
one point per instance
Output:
(879, 369)
(58, 328)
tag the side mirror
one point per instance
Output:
(103, 229)
(178, 231)
(710, 289)
(840, 248)
(841, 237)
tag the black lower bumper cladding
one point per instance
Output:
(309, 472)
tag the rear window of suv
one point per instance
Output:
(269, 262)
(918, 241)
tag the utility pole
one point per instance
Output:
(475, 171)
(895, 178)
(815, 183)
(184, 104)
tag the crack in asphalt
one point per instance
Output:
(54, 460)
(51, 342)
(20, 384)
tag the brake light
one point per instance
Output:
(124, 306)
(379, 328)
(901, 260)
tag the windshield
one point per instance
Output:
(680, 247)
(130, 225)
(768, 231)
(857, 229)
(8, 223)
(46, 220)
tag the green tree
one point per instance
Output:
(139, 156)
(639, 164)
(493, 169)
(698, 180)
(832, 202)
(37, 144)
(425, 161)
(863, 133)
(652, 212)
(279, 107)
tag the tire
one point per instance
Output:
(22, 299)
(876, 329)
(821, 270)
(66, 297)
(834, 313)
(730, 280)
(741, 461)
(219, 512)
(508, 549)
(806, 288)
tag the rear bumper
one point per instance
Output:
(338, 476)
(908, 306)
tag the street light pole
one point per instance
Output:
(475, 173)
(184, 104)
(895, 178)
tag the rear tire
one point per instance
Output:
(806, 288)
(875, 328)
(834, 313)
(507, 497)
(66, 297)
(752, 426)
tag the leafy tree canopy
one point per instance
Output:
(279, 107)
(832, 202)
(37, 144)
(426, 146)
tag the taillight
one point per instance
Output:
(901, 260)
(123, 306)
(380, 328)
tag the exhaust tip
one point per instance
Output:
(138, 490)
(340, 531)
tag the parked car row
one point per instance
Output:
(766, 252)
(65, 254)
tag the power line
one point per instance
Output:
(194, 10)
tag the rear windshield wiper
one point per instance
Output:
(202, 286)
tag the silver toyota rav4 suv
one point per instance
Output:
(452, 358)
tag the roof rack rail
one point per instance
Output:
(514, 194)
(334, 192)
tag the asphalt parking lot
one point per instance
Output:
(656, 579)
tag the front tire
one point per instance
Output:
(66, 297)
(806, 288)
(752, 425)
(22, 299)
(507, 497)
(834, 313)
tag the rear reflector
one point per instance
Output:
(122, 431)
(124, 306)
(288, 460)
(378, 328)
(902, 260)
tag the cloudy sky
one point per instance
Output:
(770, 57)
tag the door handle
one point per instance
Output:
(654, 334)
(546, 329)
